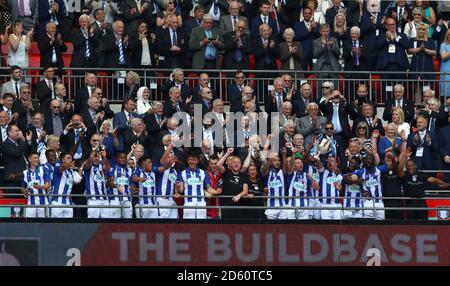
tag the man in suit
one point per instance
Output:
(205, 100)
(423, 145)
(84, 43)
(338, 7)
(311, 124)
(355, 54)
(135, 11)
(326, 52)
(266, 50)
(108, 8)
(137, 133)
(174, 104)
(176, 79)
(206, 43)
(7, 105)
(51, 48)
(362, 96)
(115, 47)
(444, 146)
(216, 8)
(237, 45)
(274, 99)
(13, 86)
(402, 13)
(93, 117)
(28, 17)
(104, 104)
(45, 89)
(228, 22)
(305, 33)
(155, 122)
(234, 92)
(392, 48)
(74, 139)
(25, 108)
(170, 43)
(121, 121)
(369, 116)
(14, 150)
(337, 111)
(50, 12)
(399, 101)
(61, 95)
(36, 127)
(264, 18)
(4, 120)
(55, 121)
(299, 104)
(100, 26)
(82, 95)
(188, 26)
(203, 82)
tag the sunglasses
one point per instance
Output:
(54, 107)
(325, 87)
(240, 77)
(417, 14)
(329, 128)
(361, 127)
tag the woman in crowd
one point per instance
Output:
(19, 44)
(291, 52)
(398, 119)
(171, 9)
(341, 33)
(445, 64)
(143, 103)
(390, 141)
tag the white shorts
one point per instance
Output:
(369, 211)
(314, 213)
(167, 213)
(36, 212)
(329, 213)
(61, 212)
(126, 207)
(98, 212)
(278, 213)
(146, 212)
(192, 213)
(297, 214)
(353, 214)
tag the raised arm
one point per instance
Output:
(222, 160)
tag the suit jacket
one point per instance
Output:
(133, 19)
(13, 158)
(444, 143)
(257, 21)
(44, 94)
(382, 44)
(369, 32)
(46, 52)
(153, 127)
(426, 161)
(408, 110)
(345, 110)
(299, 107)
(92, 127)
(45, 16)
(111, 50)
(120, 121)
(81, 98)
(306, 38)
(402, 23)
(230, 46)
(136, 46)
(234, 95)
(285, 56)
(48, 124)
(378, 125)
(222, 4)
(261, 54)
(305, 127)
(350, 59)
(319, 54)
(226, 23)
(129, 138)
(270, 103)
(169, 108)
(27, 21)
(163, 45)
(198, 57)
(79, 50)
(68, 144)
(22, 120)
(10, 87)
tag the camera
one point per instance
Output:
(367, 144)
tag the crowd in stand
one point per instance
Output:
(313, 150)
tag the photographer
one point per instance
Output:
(74, 140)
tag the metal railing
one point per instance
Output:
(285, 206)
(380, 87)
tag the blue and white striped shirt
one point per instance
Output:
(315, 174)
(122, 176)
(275, 184)
(37, 176)
(194, 181)
(95, 182)
(298, 187)
(165, 182)
(372, 181)
(63, 183)
(352, 196)
(146, 188)
(327, 188)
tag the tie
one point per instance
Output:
(121, 56)
(327, 56)
(279, 101)
(400, 14)
(54, 59)
(398, 103)
(158, 119)
(17, 89)
(265, 19)
(174, 38)
(178, 107)
(129, 117)
(57, 126)
(79, 152)
(88, 52)
(4, 134)
(432, 123)
(103, 5)
(356, 59)
(234, 22)
(216, 8)
(335, 119)
(138, 4)
(370, 121)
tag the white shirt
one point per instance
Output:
(422, 134)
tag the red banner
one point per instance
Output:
(269, 244)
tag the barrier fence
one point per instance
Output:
(380, 84)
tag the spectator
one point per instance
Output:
(109, 9)
(115, 46)
(188, 26)
(109, 140)
(444, 147)
(136, 11)
(55, 120)
(39, 135)
(74, 139)
(84, 42)
(433, 116)
(7, 105)
(84, 93)
(316, 11)
(155, 122)
(51, 48)
(176, 79)
(234, 92)
(311, 124)
(265, 49)
(203, 82)
(100, 26)
(104, 104)
(362, 96)
(412, 27)
(398, 119)
(340, 31)
(372, 120)
(174, 104)
(50, 12)
(121, 121)
(291, 53)
(444, 52)
(143, 104)
(13, 86)
(142, 43)
(326, 52)
(390, 142)
(61, 95)
(264, 18)
(305, 33)
(4, 121)
(206, 42)
(216, 8)
(237, 46)
(372, 22)
(401, 13)
(327, 88)
(171, 10)
(25, 108)
(423, 144)
(299, 104)
(28, 17)
(228, 22)
(399, 101)
(170, 43)
(19, 44)
(45, 89)
(93, 117)
(337, 7)
(136, 134)
(274, 99)
(429, 16)
(52, 144)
